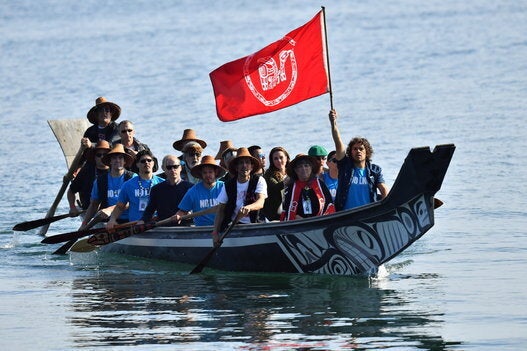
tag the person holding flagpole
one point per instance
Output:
(358, 178)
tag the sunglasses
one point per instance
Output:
(333, 159)
(124, 131)
(145, 160)
(100, 154)
(171, 167)
(261, 155)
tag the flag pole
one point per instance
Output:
(327, 58)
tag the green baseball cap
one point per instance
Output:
(317, 150)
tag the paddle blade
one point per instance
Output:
(204, 261)
(24, 226)
(83, 246)
(64, 248)
(60, 238)
(209, 255)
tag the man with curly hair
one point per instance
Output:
(358, 178)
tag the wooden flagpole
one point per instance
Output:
(327, 58)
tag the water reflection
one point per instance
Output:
(131, 305)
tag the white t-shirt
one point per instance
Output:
(261, 188)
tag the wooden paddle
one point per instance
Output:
(60, 238)
(25, 226)
(110, 236)
(99, 217)
(113, 235)
(209, 255)
(65, 182)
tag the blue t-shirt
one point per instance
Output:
(331, 183)
(359, 190)
(136, 192)
(114, 188)
(200, 198)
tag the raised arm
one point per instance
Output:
(340, 148)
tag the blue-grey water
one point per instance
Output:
(405, 73)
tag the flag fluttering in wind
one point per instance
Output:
(282, 74)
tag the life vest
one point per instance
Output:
(293, 199)
(250, 197)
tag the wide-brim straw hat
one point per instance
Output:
(224, 145)
(241, 153)
(207, 160)
(188, 135)
(118, 149)
(101, 145)
(290, 169)
(99, 102)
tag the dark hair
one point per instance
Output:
(365, 143)
(331, 154)
(272, 171)
(252, 148)
(312, 160)
(147, 153)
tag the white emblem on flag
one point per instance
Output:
(275, 82)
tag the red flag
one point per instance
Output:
(282, 74)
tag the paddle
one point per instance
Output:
(209, 255)
(60, 238)
(110, 236)
(24, 226)
(65, 182)
(101, 216)
(115, 234)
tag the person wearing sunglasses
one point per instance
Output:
(83, 182)
(192, 153)
(359, 179)
(131, 144)
(106, 188)
(331, 176)
(136, 192)
(257, 152)
(166, 196)
(320, 154)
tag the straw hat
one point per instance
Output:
(224, 146)
(241, 153)
(188, 135)
(118, 149)
(207, 161)
(101, 145)
(99, 102)
(290, 170)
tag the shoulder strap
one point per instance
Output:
(102, 187)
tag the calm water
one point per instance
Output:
(405, 73)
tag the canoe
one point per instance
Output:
(351, 242)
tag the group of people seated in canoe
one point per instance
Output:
(118, 179)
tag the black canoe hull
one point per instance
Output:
(350, 242)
